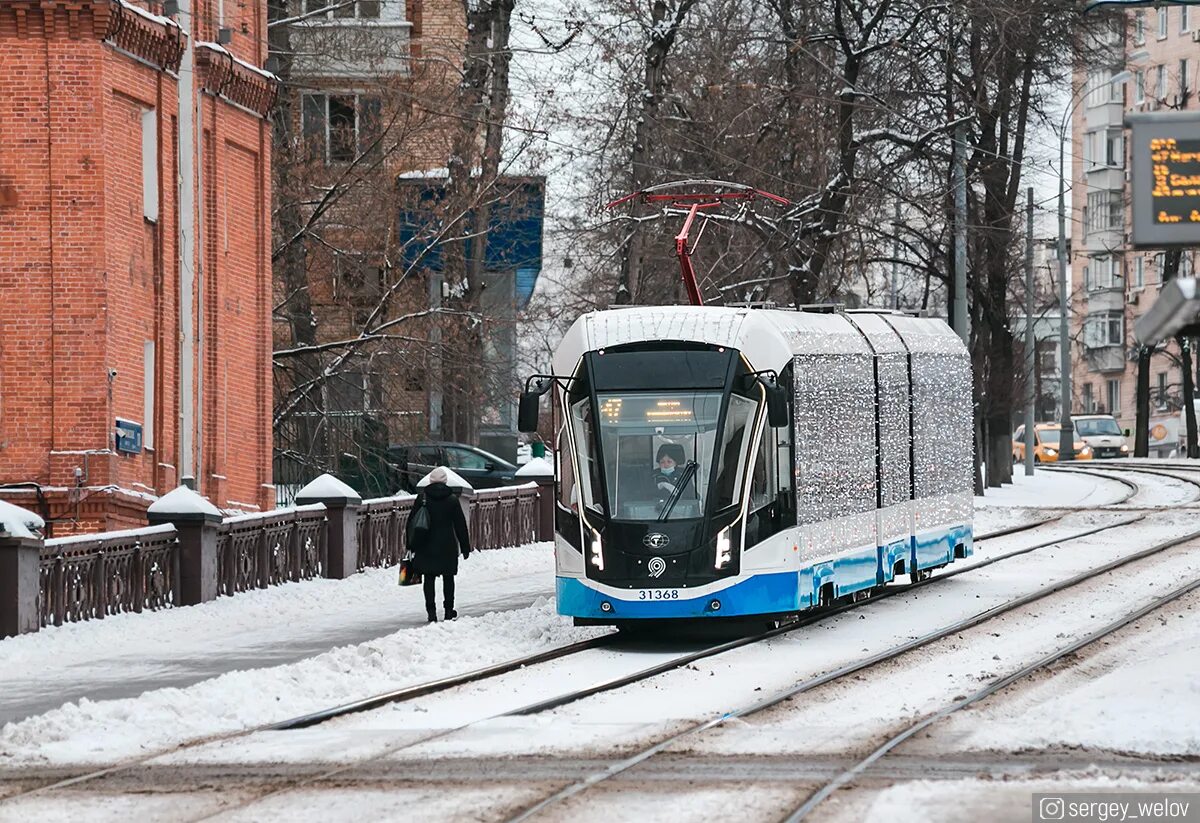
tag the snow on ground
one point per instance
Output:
(952, 801)
(90, 731)
(126, 654)
(1114, 699)
(1048, 489)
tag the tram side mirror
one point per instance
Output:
(777, 405)
(527, 412)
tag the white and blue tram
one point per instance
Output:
(729, 462)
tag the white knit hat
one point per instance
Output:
(438, 475)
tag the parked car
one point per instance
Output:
(1045, 448)
(483, 470)
(1102, 433)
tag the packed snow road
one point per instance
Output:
(458, 754)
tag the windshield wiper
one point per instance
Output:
(685, 477)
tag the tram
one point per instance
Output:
(723, 462)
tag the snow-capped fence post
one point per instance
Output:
(20, 570)
(20, 564)
(541, 472)
(341, 513)
(196, 522)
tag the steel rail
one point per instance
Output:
(845, 671)
(991, 688)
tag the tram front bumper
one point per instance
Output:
(773, 593)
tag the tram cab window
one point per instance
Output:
(763, 482)
(568, 490)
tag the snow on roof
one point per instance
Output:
(183, 501)
(248, 66)
(327, 486)
(19, 522)
(536, 467)
(453, 480)
(151, 16)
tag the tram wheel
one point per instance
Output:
(921, 575)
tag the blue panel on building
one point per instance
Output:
(128, 436)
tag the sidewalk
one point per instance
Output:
(125, 655)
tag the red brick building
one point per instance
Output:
(97, 348)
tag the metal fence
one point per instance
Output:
(91, 576)
(259, 550)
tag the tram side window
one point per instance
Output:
(762, 483)
(735, 451)
(568, 492)
(585, 447)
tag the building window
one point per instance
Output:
(1139, 86)
(1114, 149)
(1164, 24)
(1184, 23)
(343, 9)
(1101, 89)
(1183, 76)
(1160, 392)
(1089, 402)
(1139, 272)
(1105, 211)
(150, 165)
(1114, 397)
(1139, 28)
(1104, 329)
(1103, 273)
(340, 126)
(1161, 91)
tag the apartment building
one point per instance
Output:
(1113, 283)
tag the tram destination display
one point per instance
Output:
(1165, 178)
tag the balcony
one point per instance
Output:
(1106, 299)
(351, 48)
(1106, 178)
(1110, 114)
(1105, 359)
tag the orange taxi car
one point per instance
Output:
(1045, 449)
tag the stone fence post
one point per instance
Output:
(20, 570)
(196, 523)
(541, 472)
(341, 510)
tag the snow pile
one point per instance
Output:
(1047, 489)
(536, 467)
(87, 731)
(19, 522)
(327, 487)
(183, 500)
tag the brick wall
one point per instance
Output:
(88, 281)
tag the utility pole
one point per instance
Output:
(1141, 434)
(1066, 437)
(896, 258)
(962, 322)
(187, 250)
(1030, 341)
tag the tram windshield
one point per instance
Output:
(660, 450)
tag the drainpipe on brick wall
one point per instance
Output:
(187, 245)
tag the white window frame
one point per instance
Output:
(1139, 27)
(1164, 23)
(1160, 91)
(331, 15)
(149, 124)
(1139, 86)
(1139, 272)
(358, 119)
(1160, 391)
(1184, 22)
(1113, 390)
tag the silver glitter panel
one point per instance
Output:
(835, 450)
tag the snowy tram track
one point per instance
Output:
(559, 653)
(1150, 493)
(295, 783)
(693, 731)
(849, 775)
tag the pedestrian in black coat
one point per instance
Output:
(436, 551)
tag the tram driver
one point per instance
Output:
(670, 459)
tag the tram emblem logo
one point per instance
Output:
(657, 566)
(655, 540)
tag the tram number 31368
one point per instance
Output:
(658, 594)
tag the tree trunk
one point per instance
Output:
(1141, 439)
(1189, 407)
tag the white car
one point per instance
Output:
(1102, 433)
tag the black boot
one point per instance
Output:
(432, 615)
(451, 614)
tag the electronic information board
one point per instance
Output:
(1164, 178)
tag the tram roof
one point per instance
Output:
(769, 338)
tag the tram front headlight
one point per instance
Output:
(597, 552)
(724, 548)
